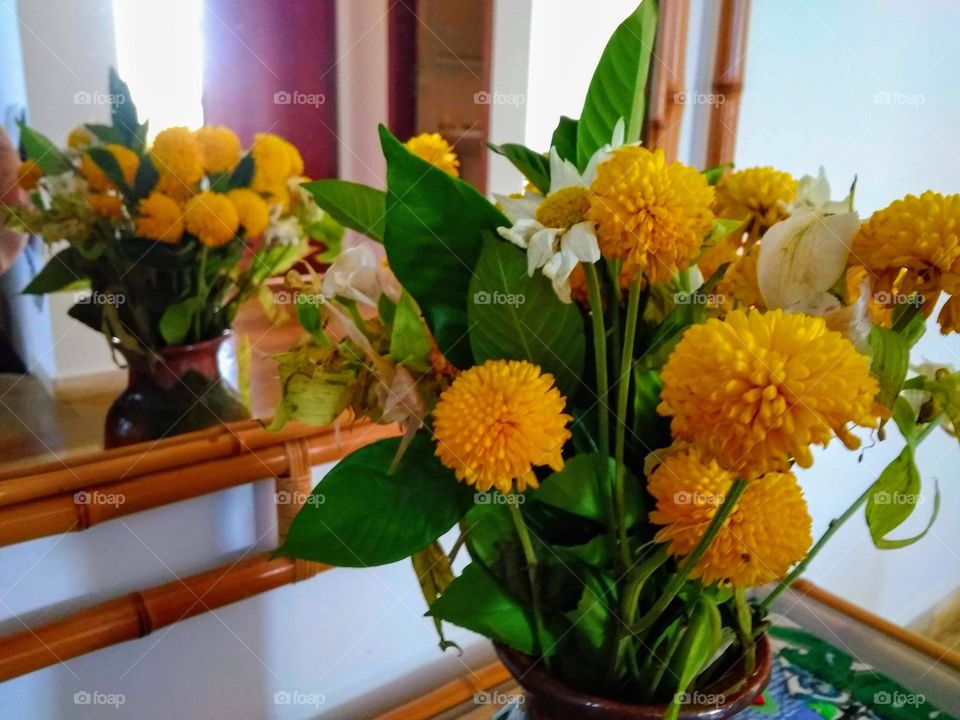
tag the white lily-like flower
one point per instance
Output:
(813, 193)
(802, 257)
(358, 274)
(282, 229)
(553, 229)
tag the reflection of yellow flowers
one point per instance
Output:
(756, 193)
(499, 420)
(756, 388)
(176, 155)
(160, 217)
(251, 209)
(106, 205)
(767, 532)
(219, 148)
(212, 218)
(28, 175)
(433, 148)
(912, 246)
(274, 161)
(126, 158)
(79, 138)
(651, 214)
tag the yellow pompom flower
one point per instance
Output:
(126, 158)
(650, 214)
(28, 175)
(756, 388)
(212, 218)
(251, 209)
(219, 148)
(434, 149)
(274, 161)
(497, 421)
(739, 286)
(177, 157)
(160, 217)
(79, 138)
(765, 535)
(756, 193)
(106, 205)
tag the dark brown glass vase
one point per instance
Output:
(173, 391)
(549, 699)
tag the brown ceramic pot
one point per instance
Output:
(175, 390)
(549, 699)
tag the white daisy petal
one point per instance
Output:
(563, 173)
(519, 208)
(619, 134)
(541, 249)
(581, 241)
(521, 232)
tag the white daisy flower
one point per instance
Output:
(553, 229)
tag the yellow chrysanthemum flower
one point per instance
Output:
(767, 532)
(756, 193)
(28, 175)
(176, 155)
(212, 218)
(756, 388)
(433, 148)
(219, 148)
(126, 158)
(160, 217)
(499, 420)
(912, 246)
(79, 138)
(106, 205)
(739, 286)
(274, 161)
(251, 209)
(651, 214)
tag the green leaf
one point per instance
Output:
(565, 139)
(651, 429)
(43, 152)
(106, 161)
(308, 314)
(668, 333)
(713, 174)
(894, 497)
(242, 174)
(312, 392)
(489, 529)
(107, 134)
(360, 515)
(518, 317)
(578, 488)
(123, 113)
(618, 87)
(700, 641)
(909, 322)
(722, 228)
(64, 271)
(433, 238)
(534, 166)
(409, 338)
(145, 180)
(476, 601)
(176, 320)
(358, 207)
(891, 359)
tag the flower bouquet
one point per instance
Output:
(607, 384)
(171, 239)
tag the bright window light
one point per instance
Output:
(160, 55)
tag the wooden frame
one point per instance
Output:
(667, 82)
(727, 80)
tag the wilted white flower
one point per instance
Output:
(358, 274)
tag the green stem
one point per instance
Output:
(201, 294)
(673, 587)
(745, 629)
(531, 559)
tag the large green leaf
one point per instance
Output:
(123, 113)
(145, 180)
(565, 139)
(176, 320)
(476, 601)
(43, 152)
(409, 339)
(895, 495)
(618, 87)
(433, 238)
(106, 161)
(891, 358)
(358, 207)
(518, 317)
(534, 166)
(579, 488)
(361, 515)
(64, 271)
(700, 641)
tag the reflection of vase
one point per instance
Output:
(549, 699)
(175, 390)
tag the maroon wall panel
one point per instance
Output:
(270, 66)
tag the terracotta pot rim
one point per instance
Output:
(540, 684)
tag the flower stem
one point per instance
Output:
(531, 559)
(603, 382)
(737, 489)
(745, 629)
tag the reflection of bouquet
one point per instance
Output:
(641, 352)
(160, 232)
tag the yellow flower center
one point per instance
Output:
(564, 208)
